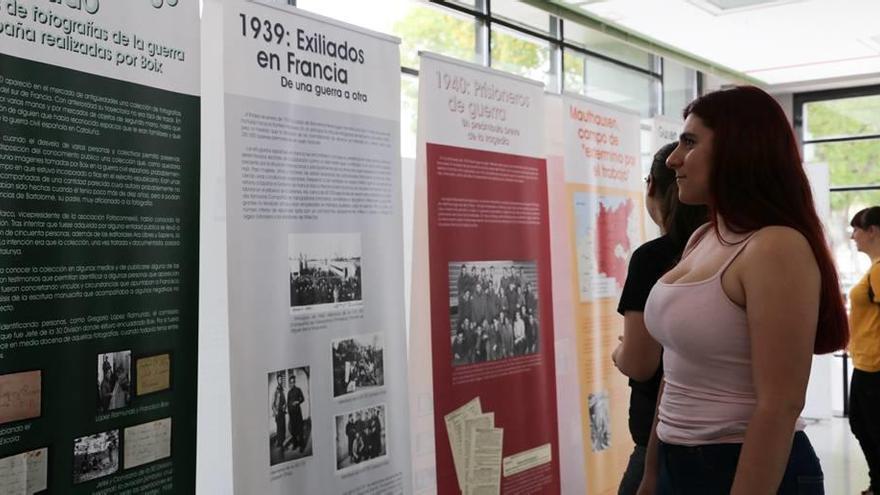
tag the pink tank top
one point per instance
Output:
(709, 395)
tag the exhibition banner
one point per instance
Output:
(664, 130)
(316, 316)
(604, 204)
(99, 212)
(661, 131)
(571, 451)
(486, 332)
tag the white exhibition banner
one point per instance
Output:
(664, 130)
(316, 316)
(602, 205)
(602, 143)
(571, 451)
(602, 153)
(823, 389)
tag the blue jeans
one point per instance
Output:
(711, 468)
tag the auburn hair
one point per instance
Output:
(757, 180)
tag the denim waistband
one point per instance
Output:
(711, 468)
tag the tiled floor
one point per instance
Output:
(845, 470)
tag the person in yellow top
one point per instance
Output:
(864, 345)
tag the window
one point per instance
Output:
(419, 25)
(600, 43)
(850, 163)
(521, 39)
(522, 14)
(679, 87)
(443, 31)
(470, 4)
(575, 73)
(611, 83)
(841, 130)
(409, 109)
(521, 54)
(844, 117)
(361, 14)
(524, 40)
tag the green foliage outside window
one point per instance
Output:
(850, 163)
(429, 29)
(520, 56)
(573, 75)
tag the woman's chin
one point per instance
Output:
(689, 198)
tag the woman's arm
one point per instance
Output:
(638, 355)
(781, 282)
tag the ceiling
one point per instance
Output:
(779, 42)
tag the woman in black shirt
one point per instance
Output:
(638, 355)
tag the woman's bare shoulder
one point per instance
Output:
(778, 247)
(780, 237)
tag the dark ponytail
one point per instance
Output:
(867, 218)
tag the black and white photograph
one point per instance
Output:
(290, 417)
(358, 364)
(324, 269)
(360, 436)
(493, 310)
(600, 421)
(95, 456)
(114, 380)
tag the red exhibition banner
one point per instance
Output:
(489, 286)
(488, 214)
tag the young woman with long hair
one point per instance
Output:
(740, 316)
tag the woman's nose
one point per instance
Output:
(673, 161)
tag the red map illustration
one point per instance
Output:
(611, 232)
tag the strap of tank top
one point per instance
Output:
(742, 245)
(696, 239)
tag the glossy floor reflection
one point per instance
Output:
(842, 461)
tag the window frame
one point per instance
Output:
(484, 19)
(555, 37)
(799, 101)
